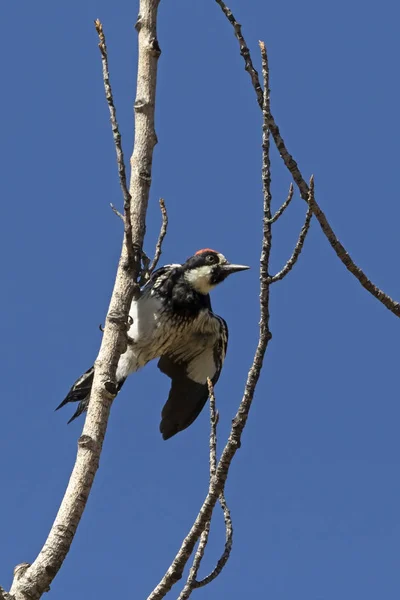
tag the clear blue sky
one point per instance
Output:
(315, 490)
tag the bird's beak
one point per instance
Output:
(228, 268)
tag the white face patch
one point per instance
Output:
(199, 279)
(222, 259)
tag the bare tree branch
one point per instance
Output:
(141, 165)
(214, 417)
(117, 143)
(116, 212)
(198, 557)
(37, 578)
(149, 266)
(244, 51)
(266, 165)
(162, 234)
(192, 583)
(217, 484)
(227, 550)
(284, 206)
(300, 242)
(291, 165)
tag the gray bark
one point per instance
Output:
(36, 579)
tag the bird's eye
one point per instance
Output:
(211, 258)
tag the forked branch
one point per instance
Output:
(198, 557)
(36, 579)
(217, 483)
(227, 549)
(284, 206)
(300, 242)
(117, 143)
(291, 165)
(192, 583)
(214, 417)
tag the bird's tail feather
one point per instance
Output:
(80, 392)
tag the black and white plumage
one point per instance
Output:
(173, 320)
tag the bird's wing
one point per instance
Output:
(162, 276)
(199, 357)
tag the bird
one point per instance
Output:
(172, 320)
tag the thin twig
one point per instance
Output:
(214, 416)
(227, 515)
(284, 206)
(191, 580)
(38, 577)
(300, 242)
(217, 483)
(192, 583)
(118, 145)
(161, 236)
(266, 164)
(149, 266)
(116, 212)
(244, 51)
(227, 550)
(198, 557)
(291, 165)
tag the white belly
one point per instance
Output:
(146, 314)
(150, 336)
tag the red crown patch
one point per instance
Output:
(205, 250)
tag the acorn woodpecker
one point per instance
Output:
(173, 320)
